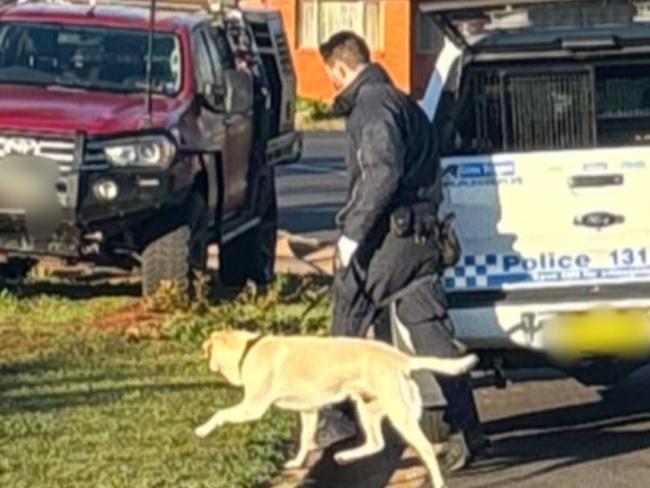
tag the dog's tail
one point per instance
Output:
(445, 366)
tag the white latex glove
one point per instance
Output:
(346, 248)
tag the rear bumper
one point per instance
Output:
(515, 319)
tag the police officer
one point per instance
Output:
(392, 247)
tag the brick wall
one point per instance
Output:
(395, 55)
(422, 64)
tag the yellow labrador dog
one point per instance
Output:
(306, 373)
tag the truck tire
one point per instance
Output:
(16, 268)
(175, 256)
(251, 256)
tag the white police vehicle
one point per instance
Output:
(543, 113)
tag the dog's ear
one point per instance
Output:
(253, 334)
(246, 336)
(207, 347)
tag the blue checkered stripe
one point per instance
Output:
(484, 271)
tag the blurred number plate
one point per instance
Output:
(622, 333)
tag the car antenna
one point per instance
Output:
(149, 63)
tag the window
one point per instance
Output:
(319, 19)
(203, 64)
(429, 37)
(91, 58)
(215, 57)
(225, 53)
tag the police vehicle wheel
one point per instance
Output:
(251, 256)
(175, 256)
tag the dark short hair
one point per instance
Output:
(346, 46)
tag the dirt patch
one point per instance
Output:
(135, 320)
(298, 255)
(14, 343)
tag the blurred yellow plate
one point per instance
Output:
(622, 333)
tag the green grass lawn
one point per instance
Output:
(81, 406)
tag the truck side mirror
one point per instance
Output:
(238, 91)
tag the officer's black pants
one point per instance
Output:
(379, 272)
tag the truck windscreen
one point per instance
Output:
(91, 58)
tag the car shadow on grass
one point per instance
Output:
(78, 289)
(90, 397)
(105, 284)
(19, 394)
(7, 383)
(48, 402)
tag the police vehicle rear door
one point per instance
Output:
(547, 167)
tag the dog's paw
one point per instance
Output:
(439, 449)
(293, 464)
(202, 431)
(342, 458)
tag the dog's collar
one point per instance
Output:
(249, 345)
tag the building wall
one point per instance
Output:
(421, 70)
(400, 54)
(395, 55)
(422, 63)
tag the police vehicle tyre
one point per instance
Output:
(251, 256)
(175, 256)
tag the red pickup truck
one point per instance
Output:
(136, 138)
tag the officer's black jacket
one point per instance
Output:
(391, 151)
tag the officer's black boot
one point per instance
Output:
(455, 454)
(335, 424)
(462, 417)
(459, 448)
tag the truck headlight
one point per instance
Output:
(146, 152)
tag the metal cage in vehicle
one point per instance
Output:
(514, 109)
(523, 111)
